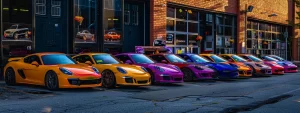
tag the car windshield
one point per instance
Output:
(270, 58)
(198, 59)
(218, 59)
(57, 59)
(13, 27)
(238, 59)
(254, 58)
(105, 59)
(174, 59)
(141, 59)
(277, 57)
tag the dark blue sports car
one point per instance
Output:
(222, 70)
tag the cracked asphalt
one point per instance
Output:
(276, 94)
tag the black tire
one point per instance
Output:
(253, 71)
(217, 74)
(188, 74)
(153, 82)
(51, 81)
(16, 36)
(108, 79)
(10, 77)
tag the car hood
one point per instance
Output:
(287, 63)
(79, 70)
(133, 69)
(10, 30)
(166, 67)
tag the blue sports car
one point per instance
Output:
(222, 70)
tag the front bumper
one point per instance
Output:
(245, 73)
(290, 69)
(169, 78)
(141, 80)
(228, 74)
(264, 72)
(277, 71)
(204, 75)
(80, 83)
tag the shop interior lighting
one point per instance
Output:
(5, 8)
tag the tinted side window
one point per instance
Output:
(186, 58)
(227, 57)
(31, 59)
(245, 57)
(83, 59)
(208, 58)
(158, 58)
(123, 58)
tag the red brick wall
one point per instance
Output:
(262, 8)
(159, 7)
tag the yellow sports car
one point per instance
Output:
(115, 73)
(244, 70)
(52, 70)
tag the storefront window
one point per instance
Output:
(181, 13)
(181, 26)
(181, 39)
(193, 15)
(85, 20)
(17, 27)
(171, 12)
(113, 21)
(193, 27)
(170, 25)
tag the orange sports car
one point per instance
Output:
(244, 70)
(112, 36)
(52, 70)
(256, 67)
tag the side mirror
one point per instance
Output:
(88, 63)
(128, 62)
(249, 60)
(35, 63)
(164, 61)
(230, 60)
(121, 62)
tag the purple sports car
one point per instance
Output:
(160, 73)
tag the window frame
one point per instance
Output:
(57, 7)
(38, 5)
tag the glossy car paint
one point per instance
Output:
(170, 73)
(224, 70)
(203, 73)
(257, 67)
(132, 71)
(289, 67)
(276, 69)
(79, 72)
(243, 70)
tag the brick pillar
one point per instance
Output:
(158, 13)
(295, 34)
(240, 26)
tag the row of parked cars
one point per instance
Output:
(58, 70)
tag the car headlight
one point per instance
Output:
(121, 70)
(159, 69)
(96, 70)
(199, 67)
(144, 69)
(65, 71)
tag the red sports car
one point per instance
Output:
(276, 69)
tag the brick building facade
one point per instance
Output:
(273, 12)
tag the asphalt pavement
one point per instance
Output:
(275, 94)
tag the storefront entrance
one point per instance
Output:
(51, 27)
(134, 24)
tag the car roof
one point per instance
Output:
(207, 54)
(227, 54)
(46, 53)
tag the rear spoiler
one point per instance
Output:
(14, 59)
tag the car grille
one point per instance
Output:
(166, 77)
(292, 69)
(249, 72)
(84, 82)
(241, 72)
(142, 82)
(128, 80)
(177, 79)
